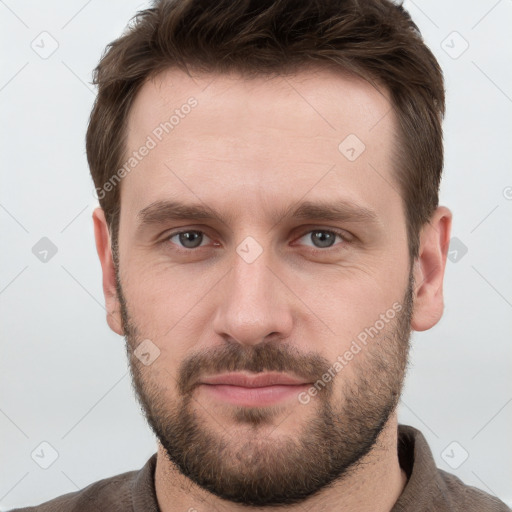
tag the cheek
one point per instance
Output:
(164, 298)
(354, 310)
(349, 298)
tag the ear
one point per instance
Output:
(104, 249)
(429, 270)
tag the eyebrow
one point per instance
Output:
(159, 212)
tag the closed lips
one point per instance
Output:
(253, 381)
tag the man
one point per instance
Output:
(269, 235)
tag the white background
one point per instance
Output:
(63, 374)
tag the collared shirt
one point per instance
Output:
(428, 488)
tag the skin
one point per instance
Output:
(250, 147)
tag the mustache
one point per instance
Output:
(264, 357)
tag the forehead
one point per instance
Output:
(231, 141)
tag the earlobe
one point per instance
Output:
(104, 250)
(429, 270)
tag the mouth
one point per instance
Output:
(253, 390)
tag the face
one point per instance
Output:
(255, 237)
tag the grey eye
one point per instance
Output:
(321, 238)
(189, 239)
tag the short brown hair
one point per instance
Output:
(374, 39)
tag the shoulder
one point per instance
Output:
(466, 497)
(430, 488)
(109, 494)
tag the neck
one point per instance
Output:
(374, 486)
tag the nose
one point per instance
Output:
(254, 303)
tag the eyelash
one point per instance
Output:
(346, 238)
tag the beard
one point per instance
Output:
(244, 465)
